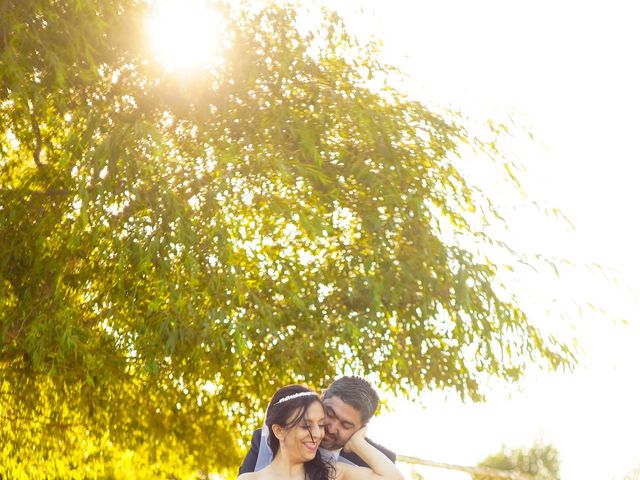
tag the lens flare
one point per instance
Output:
(185, 34)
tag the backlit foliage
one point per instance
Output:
(173, 248)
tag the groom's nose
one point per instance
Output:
(330, 426)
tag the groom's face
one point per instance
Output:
(341, 421)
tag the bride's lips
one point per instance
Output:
(311, 446)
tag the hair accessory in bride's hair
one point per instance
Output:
(295, 395)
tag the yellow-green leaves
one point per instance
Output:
(184, 246)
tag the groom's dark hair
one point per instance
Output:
(358, 393)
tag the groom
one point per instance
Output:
(349, 402)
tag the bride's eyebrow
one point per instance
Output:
(305, 420)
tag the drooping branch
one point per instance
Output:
(36, 131)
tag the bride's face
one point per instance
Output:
(303, 439)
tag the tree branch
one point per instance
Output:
(36, 132)
(485, 471)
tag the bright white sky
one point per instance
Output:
(568, 69)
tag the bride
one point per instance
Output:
(295, 422)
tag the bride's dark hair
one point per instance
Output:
(280, 413)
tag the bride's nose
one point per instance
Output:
(316, 431)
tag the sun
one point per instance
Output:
(185, 34)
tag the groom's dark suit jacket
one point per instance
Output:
(249, 463)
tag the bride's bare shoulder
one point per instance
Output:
(249, 476)
(340, 470)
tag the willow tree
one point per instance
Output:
(172, 248)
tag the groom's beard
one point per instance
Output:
(331, 442)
